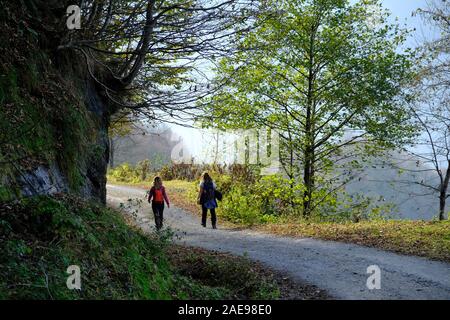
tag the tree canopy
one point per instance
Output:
(328, 75)
(146, 54)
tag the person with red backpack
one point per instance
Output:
(207, 199)
(158, 193)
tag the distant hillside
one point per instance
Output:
(144, 143)
(412, 200)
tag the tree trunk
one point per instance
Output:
(441, 206)
(308, 168)
(291, 173)
(443, 193)
(308, 188)
(111, 153)
(216, 149)
(308, 179)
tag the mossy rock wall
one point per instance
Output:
(53, 116)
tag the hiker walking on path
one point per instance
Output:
(207, 199)
(158, 194)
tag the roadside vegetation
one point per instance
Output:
(41, 237)
(271, 204)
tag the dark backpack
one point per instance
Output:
(208, 192)
(218, 195)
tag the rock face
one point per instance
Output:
(43, 180)
(96, 166)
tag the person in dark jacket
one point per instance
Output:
(206, 198)
(158, 194)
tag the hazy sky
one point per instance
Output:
(402, 9)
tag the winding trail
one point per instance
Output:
(339, 268)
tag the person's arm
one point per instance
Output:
(165, 197)
(150, 195)
(200, 192)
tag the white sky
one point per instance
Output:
(196, 140)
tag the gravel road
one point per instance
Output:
(338, 268)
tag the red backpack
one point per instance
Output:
(158, 195)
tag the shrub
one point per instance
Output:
(166, 173)
(279, 196)
(238, 206)
(192, 172)
(122, 173)
(143, 169)
(129, 174)
(274, 197)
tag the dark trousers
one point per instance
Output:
(158, 209)
(213, 216)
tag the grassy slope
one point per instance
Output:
(429, 239)
(214, 268)
(40, 237)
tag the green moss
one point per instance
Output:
(75, 145)
(32, 74)
(41, 236)
(10, 86)
(5, 194)
(75, 178)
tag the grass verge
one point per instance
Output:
(429, 239)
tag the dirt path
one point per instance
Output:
(336, 267)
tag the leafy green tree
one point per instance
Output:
(328, 75)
